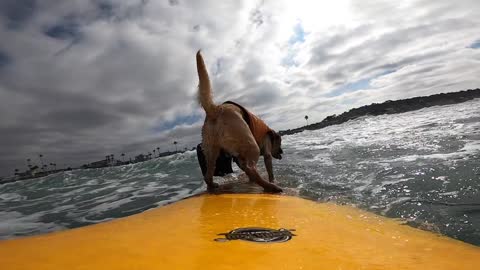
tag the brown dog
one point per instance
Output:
(231, 128)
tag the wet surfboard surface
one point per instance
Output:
(232, 230)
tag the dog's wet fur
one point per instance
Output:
(225, 129)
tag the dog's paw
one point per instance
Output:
(273, 188)
(212, 186)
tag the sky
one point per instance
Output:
(81, 79)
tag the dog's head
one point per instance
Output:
(276, 144)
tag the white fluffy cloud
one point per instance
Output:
(82, 79)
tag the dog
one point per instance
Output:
(232, 129)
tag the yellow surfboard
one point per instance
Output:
(242, 231)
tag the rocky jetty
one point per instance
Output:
(391, 107)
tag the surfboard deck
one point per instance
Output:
(182, 236)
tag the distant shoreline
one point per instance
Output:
(31, 174)
(391, 107)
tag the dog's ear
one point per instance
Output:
(276, 144)
(274, 137)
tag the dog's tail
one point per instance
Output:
(204, 88)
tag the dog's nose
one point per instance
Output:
(281, 151)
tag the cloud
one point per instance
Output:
(83, 79)
(15, 14)
(4, 59)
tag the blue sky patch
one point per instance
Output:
(351, 87)
(298, 34)
(358, 85)
(297, 37)
(181, 120)
(386, 72)
(289, 60)
(475, 45)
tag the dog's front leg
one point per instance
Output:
(268, 164)
(267, 158)
(253, 175)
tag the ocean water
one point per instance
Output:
(422, 167)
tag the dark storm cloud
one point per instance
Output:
(80, 118)
(4, 59)
(16, 13)
(65, 29)
(174, 2)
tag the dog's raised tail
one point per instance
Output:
(204, 88)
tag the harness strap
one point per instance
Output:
(245, 114)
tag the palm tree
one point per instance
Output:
(175, 143)
(16, 171)
(123, 157)
(306, 118)
(29, 165)
(158, 151)
(41, 160)
(154, 152)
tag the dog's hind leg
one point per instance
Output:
(242, 166)
(211, 155)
